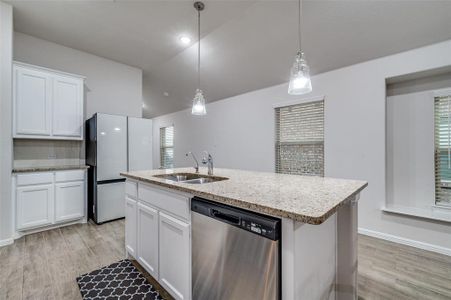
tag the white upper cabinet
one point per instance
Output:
(67, 106)
(47, 104)
(33, 102)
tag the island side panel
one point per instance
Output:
(347, 251)
(309, 260)
(288, 262)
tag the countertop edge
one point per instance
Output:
(313, 220)
(48, 169)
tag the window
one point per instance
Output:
(442, 112)
(167, 147)
(300, 139)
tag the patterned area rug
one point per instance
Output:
(121, 280)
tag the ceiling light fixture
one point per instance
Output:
(300, 72)
(185, 40)
(198, 108)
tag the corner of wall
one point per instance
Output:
(6, 44)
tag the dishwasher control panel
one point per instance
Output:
(256, 223)
(261, 229)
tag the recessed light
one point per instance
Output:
(166, 94)
(117, 129)
(185, 40)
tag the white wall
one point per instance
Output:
(239, 132)
(111, 87)
(6, 43)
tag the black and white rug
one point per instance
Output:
(121, 280)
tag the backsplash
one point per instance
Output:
(35, 153)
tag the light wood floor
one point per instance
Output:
(392, 271)
(45, 265)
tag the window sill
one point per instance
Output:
(436, 213)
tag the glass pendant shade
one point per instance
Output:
(199, 104)
(300, 76)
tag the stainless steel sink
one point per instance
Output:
(202, 180)
(190, 178)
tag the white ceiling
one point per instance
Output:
(247, 45)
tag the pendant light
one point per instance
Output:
(300, 72)
(198, 108)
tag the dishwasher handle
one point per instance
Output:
(227, 218)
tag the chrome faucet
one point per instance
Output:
(208, 160)
(196, 167)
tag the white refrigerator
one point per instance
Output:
(114, 144)
(139, 144)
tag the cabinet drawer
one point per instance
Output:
(173, 203)
(34, 178)
(131, 189)
(76, 175)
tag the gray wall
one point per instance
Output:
(6, 35)
(239, 132)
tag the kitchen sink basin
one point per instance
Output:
(202, 180)
(190, 178)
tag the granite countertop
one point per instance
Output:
(301, 198)
(49, 168)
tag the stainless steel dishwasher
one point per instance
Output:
(235, 253)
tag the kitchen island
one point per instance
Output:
(318, 217)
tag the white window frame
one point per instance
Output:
(162, 148)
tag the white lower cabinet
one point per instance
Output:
(147, 254)
(175, 256)
(68, 204)
(158, 235)
(34, 206)
(47, 198)
(130, 226)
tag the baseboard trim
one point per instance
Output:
(6, 242)
(404, 241)
(19, 234)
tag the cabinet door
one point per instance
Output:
(69, 201)
(34, 206)
(67, 107)
(175, 256)
(32, 102)
(147, 238)
(130, 226)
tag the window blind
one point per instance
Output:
(300, 139)
(442, 111)
(167, 147)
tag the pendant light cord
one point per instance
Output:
(198, 49)
(299, 22)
